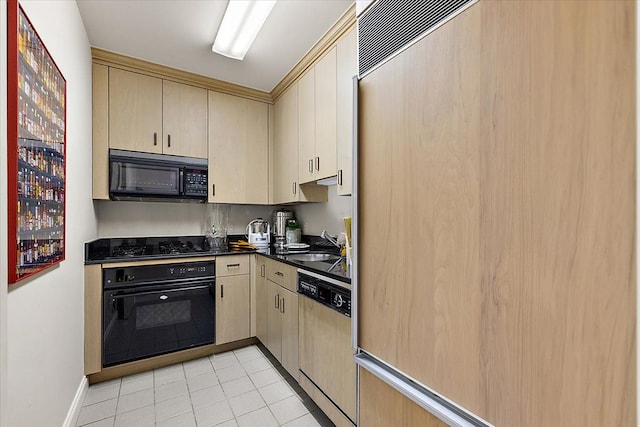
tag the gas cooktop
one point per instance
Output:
(127, 248)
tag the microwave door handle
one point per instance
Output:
(117, 175)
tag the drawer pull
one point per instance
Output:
(277, 273)
(233, 265)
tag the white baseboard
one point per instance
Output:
(76, 405)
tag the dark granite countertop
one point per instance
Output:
(337, 270)
(112, 250)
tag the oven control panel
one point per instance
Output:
(151, 274)
(325, 293)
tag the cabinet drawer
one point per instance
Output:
(282, 274)
(232, 265)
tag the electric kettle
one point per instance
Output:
(258, 233)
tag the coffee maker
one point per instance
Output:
(279, 220)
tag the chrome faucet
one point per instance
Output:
(326, 236)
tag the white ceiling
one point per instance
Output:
(179, 34)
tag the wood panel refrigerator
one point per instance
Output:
(495, 252)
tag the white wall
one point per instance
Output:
(315, 217)
(45, 313)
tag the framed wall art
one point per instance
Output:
(36, 150)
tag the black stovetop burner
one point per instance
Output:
(140, 247)
(130, 251)
(171, 247)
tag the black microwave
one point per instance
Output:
(161, 177)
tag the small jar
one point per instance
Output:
(293, 232)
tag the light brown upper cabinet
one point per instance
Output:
(151, 115)
(238, 150)
(285, 147)
(184, 126)
(317, 120)
(347, 68)
(286, 186)
(135, 111)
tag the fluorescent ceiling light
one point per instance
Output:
(240, 25)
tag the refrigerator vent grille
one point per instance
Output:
(389, 25)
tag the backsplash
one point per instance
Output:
(315, 217)
(147, 219)
(142, 219)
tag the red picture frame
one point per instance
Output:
(36, 150)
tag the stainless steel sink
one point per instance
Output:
(314, 257)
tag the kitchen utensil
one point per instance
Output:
(293, 232)
(217, 238)
(259, 233)
(280, 218)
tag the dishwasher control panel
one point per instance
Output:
(332, 296)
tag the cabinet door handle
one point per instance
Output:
(262, 270)
(168, 140)
(221, 291)
(317, 163)
(155, 138)
(294, 187)
(233, 265)
(311, 165)
(276, 302)
(282, 306)
(213, 189)
(339, 176)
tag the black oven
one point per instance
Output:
(156, 309)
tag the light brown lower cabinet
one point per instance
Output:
(381, 405)
(233, 298)
(277, 312)
(232, 308)
(274, 320)
(259, 290)
(282, 326)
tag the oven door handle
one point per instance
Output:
(167, 291)
(180, 282)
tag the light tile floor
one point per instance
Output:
(242, 388)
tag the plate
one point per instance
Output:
(296, 246)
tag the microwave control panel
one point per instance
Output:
(195, 182)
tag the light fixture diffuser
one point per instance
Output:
(240, 25)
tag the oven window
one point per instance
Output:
(140, 323)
